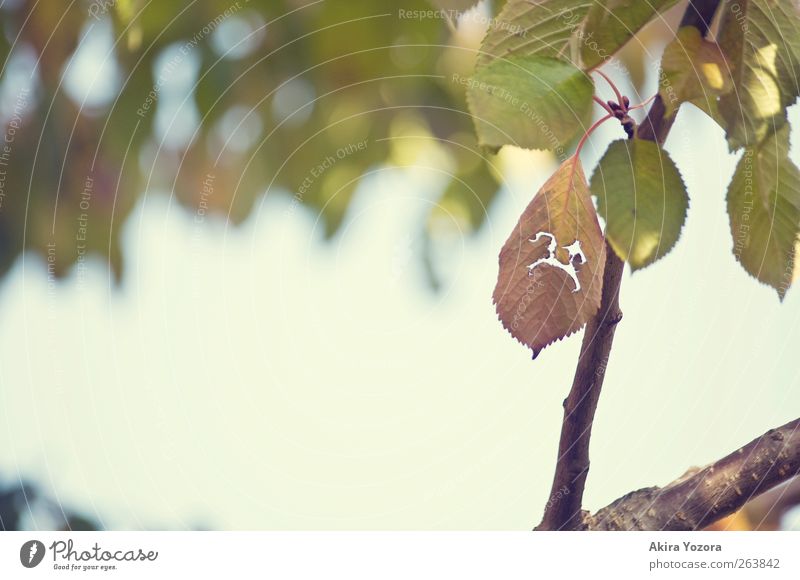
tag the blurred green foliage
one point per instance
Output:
(276, 88)
(218, 102)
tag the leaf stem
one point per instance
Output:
(588, 133)
(611, 83)
(600, 102)
(643, 104)
(576, 155)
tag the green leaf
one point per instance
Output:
(583, 32)
(761, 42)
(711, 108)
(693, 69)
(612, 23)
(532, 102)
(551, 267)
(636, 62)
(525, 28)
(641, 196)
(764, 211)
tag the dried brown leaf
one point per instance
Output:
(551, 267)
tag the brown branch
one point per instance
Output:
(704, 496)
(563, 510)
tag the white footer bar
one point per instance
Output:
(401, 555)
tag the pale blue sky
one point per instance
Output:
(257, 378)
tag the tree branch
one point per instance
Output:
(703, 496)
(563, 510)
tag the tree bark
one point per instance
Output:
(703, 496)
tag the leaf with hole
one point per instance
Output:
(531, 102)
(551, 266)
(764, 211)
(642, 198)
